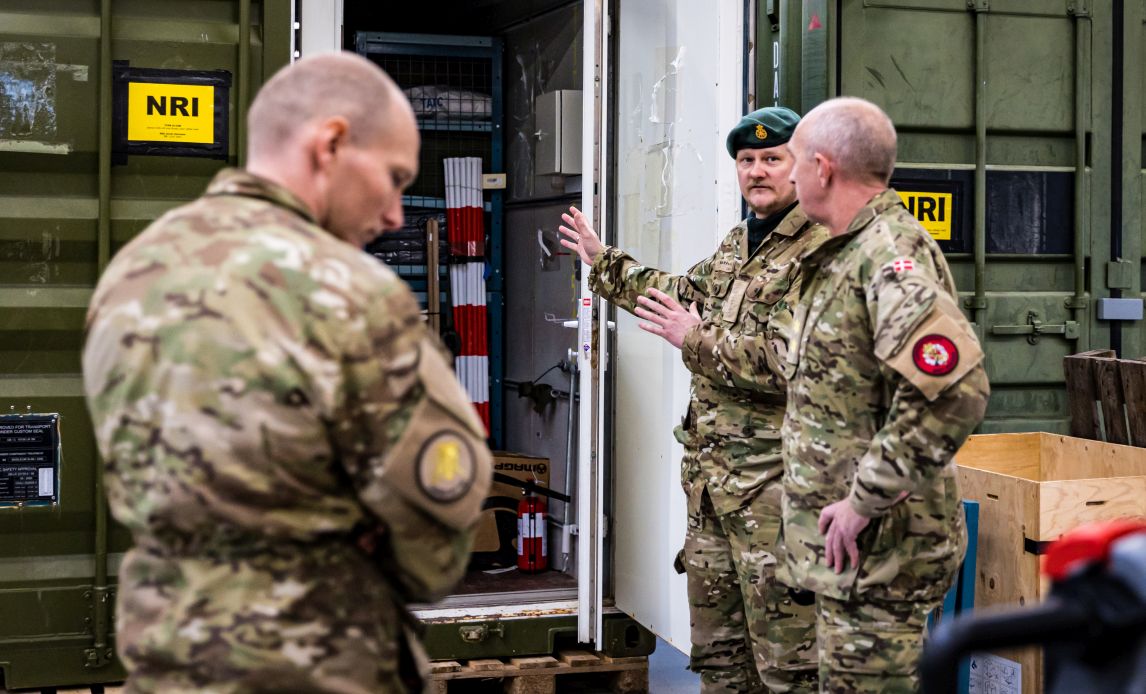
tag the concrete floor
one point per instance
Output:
(669, 673)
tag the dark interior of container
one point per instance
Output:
(531, 281)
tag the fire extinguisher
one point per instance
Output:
(532, 544)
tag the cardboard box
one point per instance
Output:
(496, 534)
(1031, 489)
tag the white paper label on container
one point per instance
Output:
(585, 316)
(991, 674)
(47, 481)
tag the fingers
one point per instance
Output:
(694, 310)
(650, 328)
(653, 306)
(665, 299)
(841, 554)
(829, 550)
(657, 319)
(835, 551)
(853, 553)
(576, 217)
(825, 522)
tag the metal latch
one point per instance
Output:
(476, 633)
(1035, 328)
(96, 658)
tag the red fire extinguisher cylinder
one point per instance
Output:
(532, 544)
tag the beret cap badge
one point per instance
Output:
(771, 126)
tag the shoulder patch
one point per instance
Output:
(939, 353)
(935, 355)
(899, 267)
(446, 468)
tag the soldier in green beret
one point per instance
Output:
(885, 382)
(290, 450)
(731, 317)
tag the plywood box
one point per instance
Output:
(1031, 489)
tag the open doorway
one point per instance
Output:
(496, 85)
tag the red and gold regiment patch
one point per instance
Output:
(935, 355)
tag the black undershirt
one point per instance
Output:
(759, 228)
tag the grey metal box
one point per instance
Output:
(558, 121)
(1119, 309)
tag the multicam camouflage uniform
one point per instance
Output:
(268, 404)
(744, 625)
(886, 383)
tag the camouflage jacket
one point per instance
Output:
(268, 404)
(731, 431)
(886, 383)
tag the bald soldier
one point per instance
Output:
(886, 382)
(731, 317)
(281, 435)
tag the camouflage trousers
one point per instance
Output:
(750, 633)
(868, 646)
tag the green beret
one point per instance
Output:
(766, 127)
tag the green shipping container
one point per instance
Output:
(1020, 148)
(69, 72)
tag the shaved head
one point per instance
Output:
(319, 87)
(337, 132)
(855, 134)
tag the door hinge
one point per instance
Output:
(97, 657)
(975, 302)
(1119, 274)
(1035, 328)
(979, 5)
(1077, 8)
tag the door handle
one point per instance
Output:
(1036, 328)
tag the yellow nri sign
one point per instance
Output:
(159, 112)
(933, 210)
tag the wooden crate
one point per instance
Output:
(1031, 489)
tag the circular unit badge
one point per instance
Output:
(446, 467)
(935, 355)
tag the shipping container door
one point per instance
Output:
(75, 186)
(1004, 116)
(670, 195)
(1134, 59)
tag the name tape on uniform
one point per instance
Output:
(933, 210)
(158, 112)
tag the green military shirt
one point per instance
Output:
(263, 395)
(736, 354)
(886, 382)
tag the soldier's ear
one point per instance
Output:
(824, 170)
(330, 135)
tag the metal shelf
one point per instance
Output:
(457, 125)
(428, 203)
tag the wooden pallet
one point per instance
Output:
(543, 674)
(1107, 397)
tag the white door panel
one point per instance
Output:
(680, 87)
(321, 27)
(590, 469)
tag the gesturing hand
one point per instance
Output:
(582, 238)
(667, 318)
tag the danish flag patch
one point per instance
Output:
(935, 355)
(902, 264)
